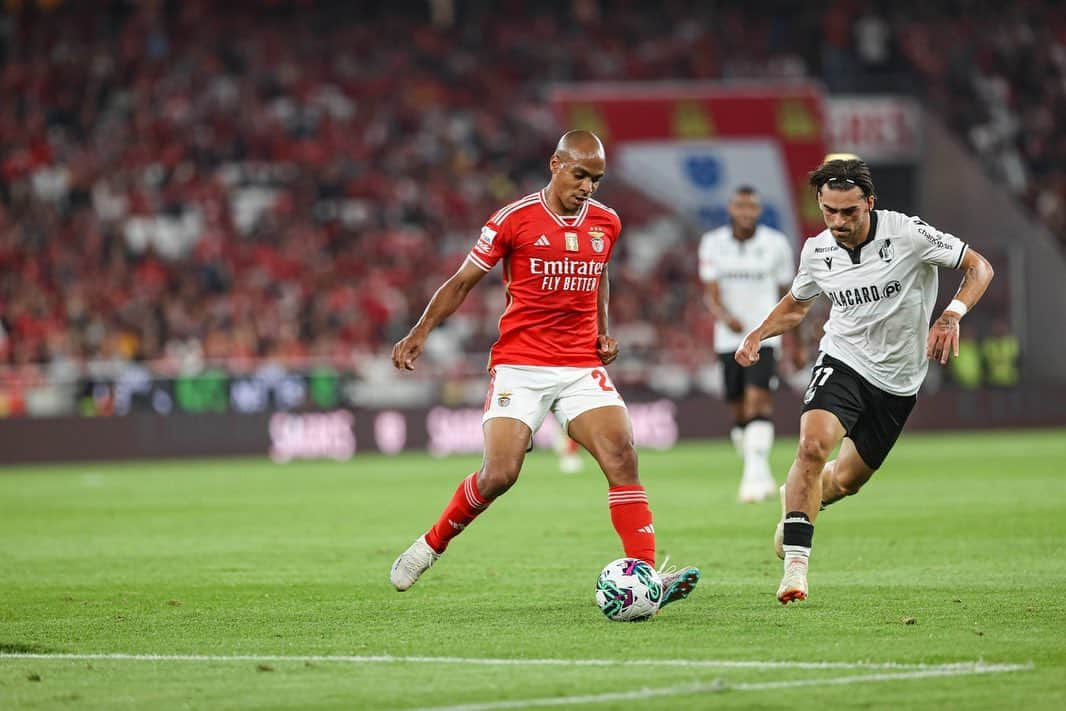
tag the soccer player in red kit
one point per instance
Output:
(553, 344)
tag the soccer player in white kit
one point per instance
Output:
(879, 270)
(746, 267)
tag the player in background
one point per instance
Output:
(746, 267)
(554, 246)
(879, 270)
(570, 461)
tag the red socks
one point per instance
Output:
(629, 514)
(465, 506)
(632, 519)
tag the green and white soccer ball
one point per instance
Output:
(629, 590)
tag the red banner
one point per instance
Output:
(793, 115)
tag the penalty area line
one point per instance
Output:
(719, 686)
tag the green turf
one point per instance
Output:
(952, 553)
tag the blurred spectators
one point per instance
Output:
(997, 73)
(184, 182)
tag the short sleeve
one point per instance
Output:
(785, 268)
(492, 245)
(804, 287)
(708, 266)
(933, 246)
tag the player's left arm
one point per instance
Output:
(794, 340)
(606, 347)
(944, 333)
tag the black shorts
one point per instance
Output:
(737, 377)
(873, 418)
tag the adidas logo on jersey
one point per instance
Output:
(542, 242)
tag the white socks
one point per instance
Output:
(758, 440)
(737, 436)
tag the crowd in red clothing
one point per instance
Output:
(292, 179)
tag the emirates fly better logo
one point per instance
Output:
(567, 274)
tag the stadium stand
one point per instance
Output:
(177, 191)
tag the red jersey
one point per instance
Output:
(552, 266)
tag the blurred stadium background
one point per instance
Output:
(216, 218)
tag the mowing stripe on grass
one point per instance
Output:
(719, 686)
(977, 667)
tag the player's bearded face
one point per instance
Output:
(846, 212)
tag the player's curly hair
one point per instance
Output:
(843, 175)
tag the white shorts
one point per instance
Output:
(529, 392)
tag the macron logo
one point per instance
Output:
(647, 529)
(542, 242)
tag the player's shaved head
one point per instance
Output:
(579, 145)
(577, 165)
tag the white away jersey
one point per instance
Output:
(750, 276)
(883, 293)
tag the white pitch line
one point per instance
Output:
(718, 686)
(475, 661)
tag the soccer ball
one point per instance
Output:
(629, 590)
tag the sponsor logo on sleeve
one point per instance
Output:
(933, 238)
(484, 242)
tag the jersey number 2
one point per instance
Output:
(601, 377)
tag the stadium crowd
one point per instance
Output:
(289, 180)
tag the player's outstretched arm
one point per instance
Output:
(943, 338)
(784, 317)
(445, 301)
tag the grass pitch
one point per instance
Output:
(245, 584)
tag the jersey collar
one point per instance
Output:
(565, 220)
(854, 253)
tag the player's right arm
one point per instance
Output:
(709, 274)
(713, 298)
(445, 301)
(788, 314)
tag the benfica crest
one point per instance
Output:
(596, 239)
(504, 399)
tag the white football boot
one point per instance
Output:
(412, 563)
(754, 491)
(570, 463)
(794, 583)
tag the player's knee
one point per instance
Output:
(618, 458)
(496, 478)
(813, 450)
